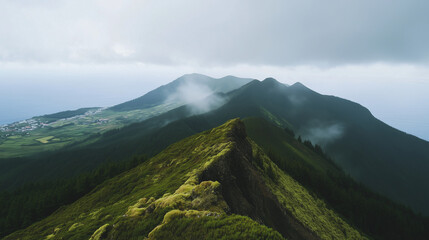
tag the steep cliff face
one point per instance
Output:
(245, 191)
(217, 183)
(252, 185)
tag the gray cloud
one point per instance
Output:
(275, 32)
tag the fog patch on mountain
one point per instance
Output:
(197, 97)
(296, 100)
(322, 133)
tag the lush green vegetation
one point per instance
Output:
(393, 163)
(292, 149)
(214, 227)
(386, 160)
(38, 186)
(76, 125)
(34, 201)
(86, 155)
(65, 114)
(309, 165)
(86, 141)
(366, 145)
(166, 194)
(309, 210)
(66, 132)
(108, 203)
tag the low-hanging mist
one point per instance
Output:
(323, 133)
(198, 98)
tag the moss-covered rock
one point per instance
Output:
(101, 233)
(202, 225)
(75, 226)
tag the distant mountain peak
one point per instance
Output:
(299, 85)
(194, 75)
(270, 80)
(228, 76)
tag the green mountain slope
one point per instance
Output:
(388, 161)
(18, 153)
(54, 131)
(373, 214)
(170, 91)
(198, 187)
(282, 142)
(48, 118)
(385, 159)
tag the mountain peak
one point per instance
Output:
(270, 80)
(193, 75)
(299, 85)
(272, 83)
(229, 76)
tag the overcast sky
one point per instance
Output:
(58, 54)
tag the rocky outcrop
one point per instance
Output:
(245, 191)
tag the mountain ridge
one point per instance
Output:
(228, 154)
